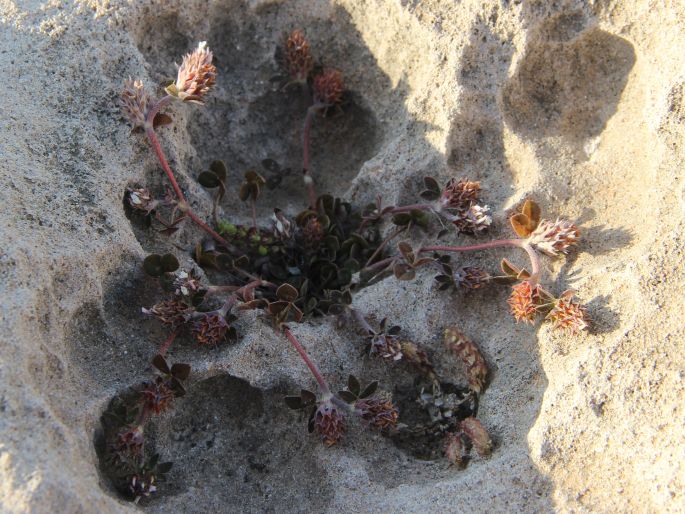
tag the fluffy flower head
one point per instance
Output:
(524, 300)
(554, 237)
(170, 312)
(196, 75)
(329, 422)
(298, 56)
(134, 101)
(328, 87)
(210, 329)
(568, 314)
(377, 412)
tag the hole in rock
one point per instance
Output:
(231, 445)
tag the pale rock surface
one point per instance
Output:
(578, 104)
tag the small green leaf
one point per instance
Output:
(307, 397)
(153, 265)
(353, 385)
(402, 219)
(219, 169)
(208, 179)
(159, 362)
(294, 402)
(347, 396)
(180, 370)
(431, 184)
(164, 467)
(287, 293)
(169, 262)
(369, 389)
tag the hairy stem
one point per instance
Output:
(517, 243)
(157, 147)
(384, 243)
(310, 364)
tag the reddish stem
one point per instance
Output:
(312, 367)
(157, 147)
(384, 243)
(517, 243)
(167, 343)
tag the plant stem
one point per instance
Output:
(312, 367)
(254, 214)
(306, 176)
(167, 343)
(380, 264)
(362, 321)
(413, 207)
(517, 243)
(384, 243)
(157, 147)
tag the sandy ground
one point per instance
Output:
(577, 104)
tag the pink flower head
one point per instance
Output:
(568, 314)
(524, 300)
(211, 329)
(298, 56)
(196, 75)
(377, 412)
(329, 422)
(554, 237)
(134, 101)
(328, 87)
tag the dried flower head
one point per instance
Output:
(568, 314)
(210, 329)
(186, 284)
(142, 485)
(377, 411)
(417, 358)
(459, 194)
(329, 422)
(281, 225)
(298, 56)
(134, 101)
(157, 396)
(128, 444)
(454, 448)
(196, 75)
(554, 237)
(471, 277)
(475, 219)
(479, 437)
(141, 200)
(170, 312)
(328, 87)
(386, 346)
(313, 232)
(470, 355)
(524, 300)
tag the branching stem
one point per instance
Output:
(157, 147)
(517, 243)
